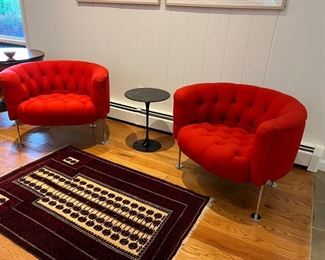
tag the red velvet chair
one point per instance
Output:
(239, 132)
(57, 92)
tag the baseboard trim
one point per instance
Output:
(322, 166)
(158, 121)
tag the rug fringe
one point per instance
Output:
(204, 211)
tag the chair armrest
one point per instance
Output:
(14, 91)
(276, 146)
(99, 90)
(186, 106)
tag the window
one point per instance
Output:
(11, 24)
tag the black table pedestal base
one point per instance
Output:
(144, 145)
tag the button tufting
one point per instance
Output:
(220, 143)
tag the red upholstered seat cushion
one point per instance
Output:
(57, 109)
(220, 149)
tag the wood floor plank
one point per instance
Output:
(195, 249)
(8, 250)
(224, 232)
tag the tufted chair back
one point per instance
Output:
(234, 105)
(55, 77)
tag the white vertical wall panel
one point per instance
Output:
(195, 46)
(215, 45)
(73, 44)
(42, 32)
(236, 45)
(125, 52)
(101, 22)
(307, 70)
(286, 37)
(259, 47)
(160, 55)
(169, 47)
(179, 27)
(112, 46)
(144, 46)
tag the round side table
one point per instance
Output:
(147, 95)
(21, 55)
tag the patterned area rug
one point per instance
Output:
(73, 205)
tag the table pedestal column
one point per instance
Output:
(147, 145)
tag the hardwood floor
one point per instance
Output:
(224, 232)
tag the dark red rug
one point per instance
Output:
(73, 205)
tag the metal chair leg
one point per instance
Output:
(256, 216)
(105, 139)
(20, 144)
(179, 165)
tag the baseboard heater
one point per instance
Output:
(136, 115)
(141, 111)
(309, 155)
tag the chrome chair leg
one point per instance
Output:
(179, 165)
(20, 144)
(105, 129)
(256, 216)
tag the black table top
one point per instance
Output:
(147, 94)
(21, 55)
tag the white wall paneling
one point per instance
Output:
(236, 45)
(160, 56)
(217, 35)
(195, 46)
(179, 27)
(258, 47)
(168, 47)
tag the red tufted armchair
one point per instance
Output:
(239, 132)
(57, 92)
